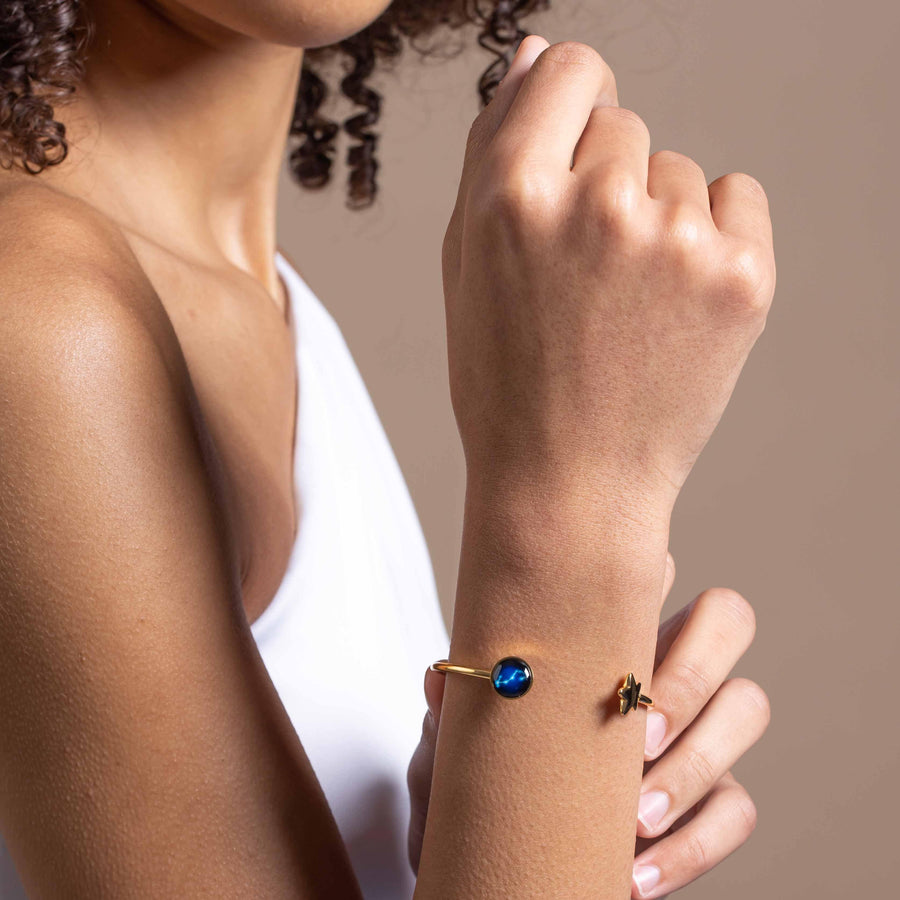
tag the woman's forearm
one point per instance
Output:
(600, 305)
(537, 796)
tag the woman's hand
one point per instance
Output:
(699, 726)
(600, 303)
(692, 812)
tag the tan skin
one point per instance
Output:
(144, 322)
(706, 720)
(600, 303)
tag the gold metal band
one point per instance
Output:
(443, 665)
(510, 677)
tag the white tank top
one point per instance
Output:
(356, 621)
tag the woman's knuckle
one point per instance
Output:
(684, 230)
(571, 53)
(682, 241)
(753, 696)
(745, 810)
(689, 683)
(697, 852)
(619, 121)
(615, 197)
(628, 119)
(519, 194)
(672, 158)
(761, 700)
(747, 279)
(747, 269)
(700, 767)
(665, 157)
(730, 604)
(746, 185)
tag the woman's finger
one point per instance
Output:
(529, 49)
(545, 122)
(675, 179)
(613, 154)
(721, 824)
(740, 207)
(480, 135)
(732, 722)
(491, 117)
(719, 627)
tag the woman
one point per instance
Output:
(189, 454)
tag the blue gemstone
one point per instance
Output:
(511, 677)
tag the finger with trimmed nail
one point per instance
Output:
(707, 638)
(718, 826)
(730, 724)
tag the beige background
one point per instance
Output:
(794, 502)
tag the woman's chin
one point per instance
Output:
(292, 23)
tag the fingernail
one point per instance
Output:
(645, 878)
(656, 731)
(652, 807)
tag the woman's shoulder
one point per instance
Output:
(70, 285)
(58, 243)
(127, 663)
(84, 339)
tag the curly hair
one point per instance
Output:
(43, 44)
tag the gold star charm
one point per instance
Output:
(631, 695)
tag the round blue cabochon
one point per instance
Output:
(511, 677)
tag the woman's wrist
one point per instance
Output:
(533, 520)
(543, 565)
(574, 589)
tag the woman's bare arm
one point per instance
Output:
(600, 305)
(537, 797)
(143, 749)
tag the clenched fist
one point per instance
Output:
(600, 301)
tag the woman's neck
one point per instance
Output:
(178, 132)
